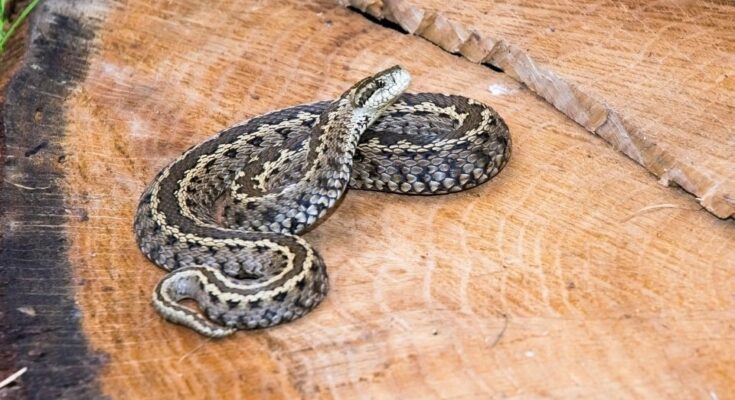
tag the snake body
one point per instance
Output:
(275, 176)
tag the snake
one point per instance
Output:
(225, 218)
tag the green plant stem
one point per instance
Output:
(16, 23)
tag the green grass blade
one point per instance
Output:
(16, 23)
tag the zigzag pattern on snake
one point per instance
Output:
(279, 174)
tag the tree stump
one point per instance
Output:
(571, 274)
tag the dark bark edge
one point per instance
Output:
(40, 324)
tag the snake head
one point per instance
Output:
(375, 93)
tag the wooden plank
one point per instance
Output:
(543, 282)
(654, 79)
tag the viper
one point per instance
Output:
(225, 218)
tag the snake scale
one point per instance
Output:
(225, 217)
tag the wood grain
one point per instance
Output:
(568, 275)
(655, 79)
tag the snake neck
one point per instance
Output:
(334, 141)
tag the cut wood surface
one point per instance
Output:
(655, 79)
(568, 275)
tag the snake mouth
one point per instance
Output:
(398, 77)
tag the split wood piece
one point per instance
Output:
(654, 80)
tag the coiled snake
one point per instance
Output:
(279, 174)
